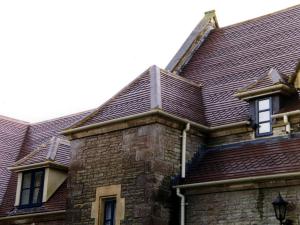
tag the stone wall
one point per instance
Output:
(142, 159)
(242, 204)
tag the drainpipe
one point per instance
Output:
(183, 159)
(287, 124)
(183, 150)
(182, 206)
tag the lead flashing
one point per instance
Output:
(155, 87)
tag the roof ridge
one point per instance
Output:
(260, 17)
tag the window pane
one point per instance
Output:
(264, 116)
(109, 211)
(264, 104)
(25, 197)
(26, 180)
(264, 128)
(37, 196)
(38, 178)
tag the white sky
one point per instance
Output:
(59, 57)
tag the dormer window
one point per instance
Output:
(263, 117)
(32, 188)
(264, 96)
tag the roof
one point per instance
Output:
(19, 139)
(235, 56)
(134, 98)
(154, 88)
(182, 97)
(12, 133)
(255, 158)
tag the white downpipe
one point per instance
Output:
(183, 160)
(182, 206)
(287, 124)
(183, 150)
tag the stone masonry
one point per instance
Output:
(142, 159)
(242, 204)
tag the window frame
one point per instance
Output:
(257, 111)
(31, 188)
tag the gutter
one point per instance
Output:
(24, 216)
(239, 180)
(152, 113)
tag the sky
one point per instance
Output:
(61, 57)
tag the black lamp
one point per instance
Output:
(280, 207)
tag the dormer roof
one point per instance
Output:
(55, 152)
(270, 83)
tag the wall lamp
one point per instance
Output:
(280, 208)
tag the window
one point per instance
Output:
(32, 188)
(263, 117)
(109, 211)
(109, 206)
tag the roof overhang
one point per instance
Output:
(281, 89)
(46, 164)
